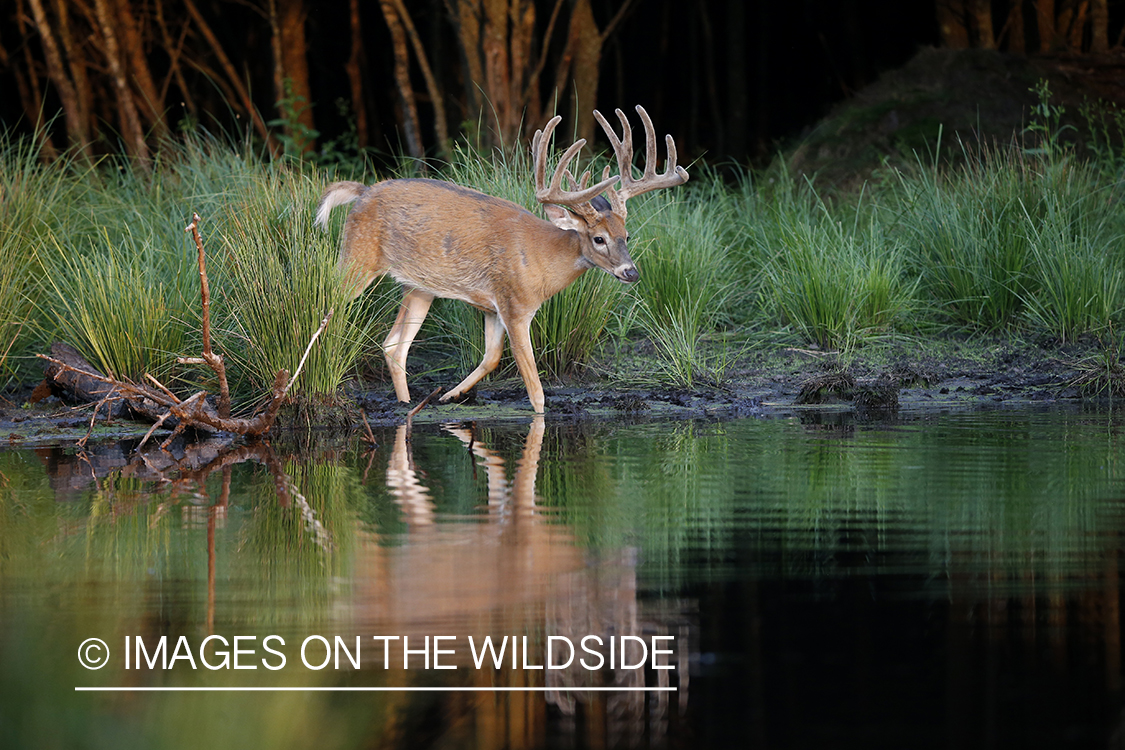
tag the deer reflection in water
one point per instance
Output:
(515, 572)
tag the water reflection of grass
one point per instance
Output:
(711, 499)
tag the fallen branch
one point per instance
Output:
(157, 402)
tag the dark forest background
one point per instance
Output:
(730, 78)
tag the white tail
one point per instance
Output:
(443, 240)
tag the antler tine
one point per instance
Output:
(539, 152)
(623, 147)
(650, 144)
(554, 192)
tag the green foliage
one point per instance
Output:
(686, 276)
(280, 279)
(32, 201)
(838, 283)
(1047, 125)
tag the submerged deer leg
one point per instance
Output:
(415, 305)
(519, 337)
(493, 348)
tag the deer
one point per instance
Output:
(439, 239)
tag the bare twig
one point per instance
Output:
(97, 407)
(421, 405)
(160, 385)
(214, 361)
(370, 436)
(154, 428)
(315, 336)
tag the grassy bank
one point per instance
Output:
(1017, 241)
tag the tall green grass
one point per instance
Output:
(1024, 241)
(687, 278)
(279, 280)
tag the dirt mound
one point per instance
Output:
(974, 95)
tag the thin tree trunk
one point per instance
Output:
(354, 68)
(522, 15)
(468, 22)
(710, 76)
(1017, 43)
(232, 75)
(76, 64)
(31, 103)
(294, 51)
(497, 69)
(174, 52)
(530, 99)
(951, 24)
(410, 128)
(981, 13)
(441, 129)
(1045, 23)
(277, 54)
(1071, 23)
(132, 132)
(1099, 27)
(152, 104)
(586, 68)
(76, 124)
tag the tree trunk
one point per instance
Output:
(1099, 27)
(76, 123)
(1045, 23)
(77, 64)
(981, 14)
(497, 70)
(951, 24)
(468, 23)
(1017, 44)
(354, 67)
(441, 129)
(174, 50)
(133, 48)
(131, 129)
(410, 127)
(522, 43)
(586, 68)
(295, 65)
(1071, 23)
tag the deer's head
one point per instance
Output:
(600, 220)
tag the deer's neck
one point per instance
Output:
(561, 261)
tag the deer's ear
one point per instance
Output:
(562, 218)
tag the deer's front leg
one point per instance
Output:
(493, 348)
(519, 335)
(411, 314)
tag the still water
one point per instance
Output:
(938, 580)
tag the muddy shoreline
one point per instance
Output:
(874, 384)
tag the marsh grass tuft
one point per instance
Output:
(838, 284)
(1103, 372)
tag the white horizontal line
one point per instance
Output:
(375, 689)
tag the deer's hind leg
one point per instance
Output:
(493, 348)
(411, 314)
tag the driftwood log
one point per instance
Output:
(68, 370)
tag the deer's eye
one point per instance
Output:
(599, 240)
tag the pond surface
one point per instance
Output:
(937, 580)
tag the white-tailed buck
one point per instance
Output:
(443, 240)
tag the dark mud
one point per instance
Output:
(770, 381)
